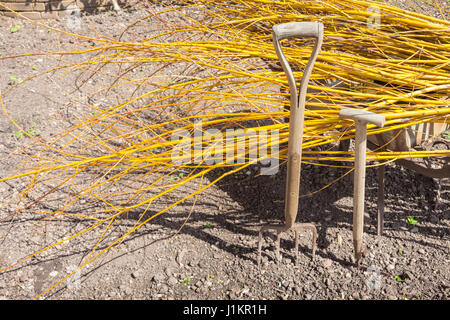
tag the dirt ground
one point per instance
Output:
(214, 254)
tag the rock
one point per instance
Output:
(409, 275)
(180, 256)
(308, 297)
(135, 274)
(391, 267)
(53, 274)
(339, 239)
(284, 297)
(193, 263)
(158, 277)
(169, 271)
(23, 277)
(163, 289)
(172, 281)
(415, 230)
(434, 219)
(327, 263)
(298, 290)
(125, 289)
(421, 251)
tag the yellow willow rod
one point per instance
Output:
(95, 185)
(391, 8)
(370, 95)
(52, 245)
(134, 149)
(386, 9)
(425, 113)
(419, 92)
(69, 165)
(395, 64)
(152, 186)
(375, 152)
(389, 154)
(408, 14)
(56, 53)
(35, 139)
(376, 157)
(144, 222)
(209, 64)
(93, 226)
(377, 74)
(339, 136)
(324, 6)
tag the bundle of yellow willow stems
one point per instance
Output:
(223, 75)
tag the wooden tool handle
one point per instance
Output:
(297, 110)
(298, 30)
(363, 116)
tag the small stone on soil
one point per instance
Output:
(327, 263)
(172, 281)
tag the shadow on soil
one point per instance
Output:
(260, 200)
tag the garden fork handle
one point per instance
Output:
(297, 110)
(297, 30)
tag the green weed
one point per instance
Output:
(13, 80)
(15, 28)
(411, 220)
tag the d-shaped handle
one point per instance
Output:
(297, 30)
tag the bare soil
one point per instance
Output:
(214, 254)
